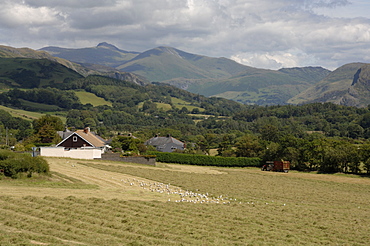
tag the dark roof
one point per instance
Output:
(88, 136)
(65, 134)
(157, 141)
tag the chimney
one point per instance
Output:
(87, 130)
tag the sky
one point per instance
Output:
(267, 34)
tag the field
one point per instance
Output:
(181, 103)
(88, 97)
(29, 115)
(109, 203)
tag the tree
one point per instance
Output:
(53, 121)
(48, 134)
(46, 129)
(355, 131)
(248, 146)
(226, 144)
(269, 133)
(127, 144)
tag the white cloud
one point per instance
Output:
(276, 60)
(18, 15)
(260, 33)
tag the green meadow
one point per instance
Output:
(88, 97)
(30, 115)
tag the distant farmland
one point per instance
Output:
(110, 203)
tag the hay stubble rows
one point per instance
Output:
(109, 203)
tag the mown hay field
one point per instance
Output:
(109, 203)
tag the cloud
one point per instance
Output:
(276, 60)
(261, 33)
(19, 15)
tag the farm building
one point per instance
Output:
(79, 144)
(166, 144)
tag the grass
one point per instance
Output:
(87, 97)
(113, 205)
(179, 103)
(39, 106)
(29, 115)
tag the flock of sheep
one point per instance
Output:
(182, 196)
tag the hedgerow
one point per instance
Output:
(11, 164)
(205, 160)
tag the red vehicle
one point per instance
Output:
(277, 166)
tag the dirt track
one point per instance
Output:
(109, 184)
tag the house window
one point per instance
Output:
(74, 139)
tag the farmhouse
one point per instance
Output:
(79, 144)
(166, 144)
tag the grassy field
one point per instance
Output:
(178, 103)
(29, 115)
(87, 97)
(108, 203)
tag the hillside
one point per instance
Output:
(103, 54)
(334, 88)
(262, 86)
(199, 74)
(33, 73)
(165, 63)
(84, 70)
(42, 85)
(11, 52)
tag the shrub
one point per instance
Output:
(205, 160)
(14, 163)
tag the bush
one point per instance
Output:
(205, 160)
(13, 163)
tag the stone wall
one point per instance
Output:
(133, 159)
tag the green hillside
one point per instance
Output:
(28, 115)
(33, 73)
(261, 86)
(199, 74)
(166, 63)
(11, 52)
(332, 88)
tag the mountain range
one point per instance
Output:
(199, 74)
(214, 77)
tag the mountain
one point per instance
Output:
(204, 75)
(166, 63)
(103, 54)
(34, 73)
(347, 85)
(11, 52)
(262, 86)
(84, 70)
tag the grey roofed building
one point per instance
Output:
(65, 134)
(166, 144)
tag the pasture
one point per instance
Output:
(29, 115)
(109, 203)
(88, 97)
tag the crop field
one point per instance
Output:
(89, 202)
